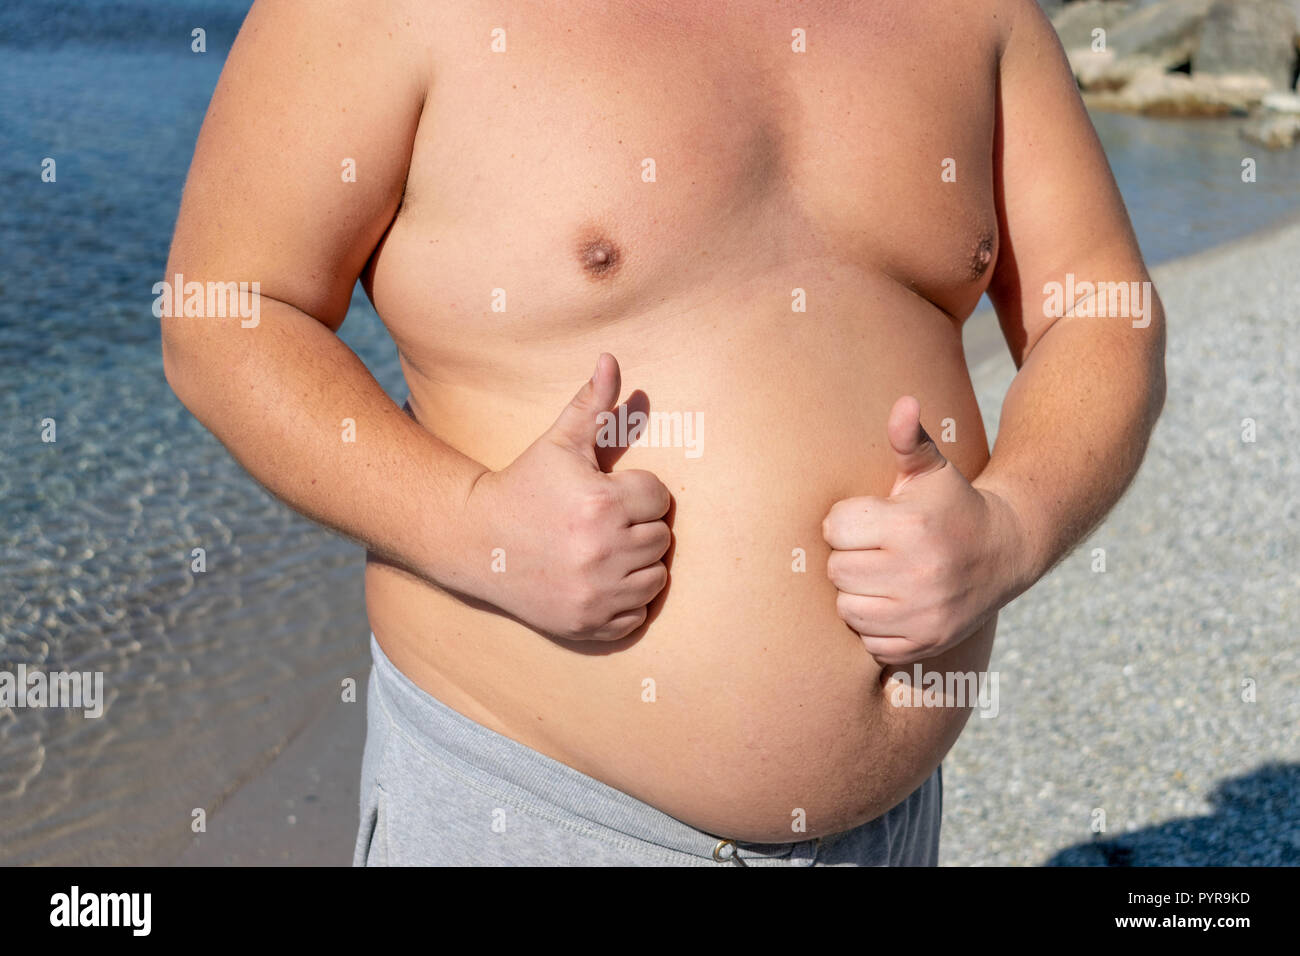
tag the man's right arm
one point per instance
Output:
(308, 88)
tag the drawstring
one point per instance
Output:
(733, 856)
(721, 856)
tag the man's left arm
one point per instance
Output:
(1091, 383)
(1077, 417)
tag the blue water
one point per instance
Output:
(209, 673)
(1181, 180)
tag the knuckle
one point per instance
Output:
(589, 553)
(622, 631)
(622, 627)
(657, 491)
(581, 628)
(845, 606)
(573, 629)
(596, 554)
(597, 505)
(835, 569)
(584, 604)
(929, 572)
(940, 568)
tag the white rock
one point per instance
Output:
(1282, 103)
(1155, 93)
(1274, 130)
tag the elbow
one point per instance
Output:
(173, 366)
(181, 369)
(1157, 391)
(1159, 386)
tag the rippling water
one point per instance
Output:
(207, 675)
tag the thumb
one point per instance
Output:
(915, 453)
(579, 423)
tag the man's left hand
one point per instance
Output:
(918, 572)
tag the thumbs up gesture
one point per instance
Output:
(582, 545)
(920, 570)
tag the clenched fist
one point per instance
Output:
(920, 570)
(583, 545)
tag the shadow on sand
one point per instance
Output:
(1256, 822)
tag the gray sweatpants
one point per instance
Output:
(439, 789)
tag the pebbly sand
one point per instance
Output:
(1128, 692)
(1121, 693)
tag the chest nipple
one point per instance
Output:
(599, 256)
(982, 257)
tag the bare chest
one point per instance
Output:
(579, 162)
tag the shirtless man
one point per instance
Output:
(771, 218)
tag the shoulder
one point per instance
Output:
(388, 34)
(1020, 24)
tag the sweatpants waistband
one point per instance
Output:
(529, 777)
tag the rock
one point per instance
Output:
(1274, 130)
(1282, 103)
(1248, 36)
(1156, 93)
(1295, 12)
(1159, 36)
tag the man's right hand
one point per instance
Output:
(583, 546)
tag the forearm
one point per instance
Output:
(1073, 430)
(277, 395)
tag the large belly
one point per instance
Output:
(746, 704)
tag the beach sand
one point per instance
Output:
(302, 809)
(1120, 693)
(1159, 699)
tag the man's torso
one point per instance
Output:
(746, 700)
